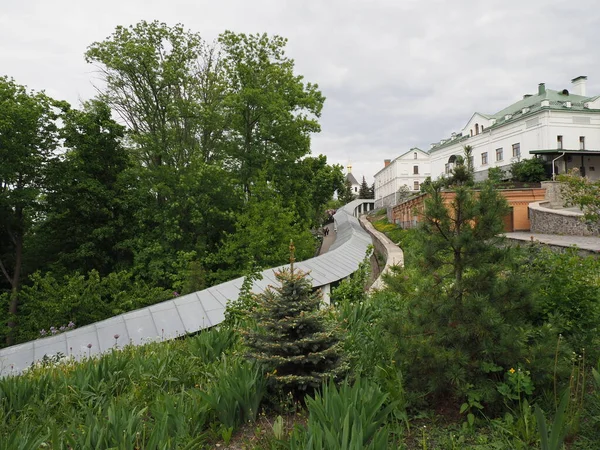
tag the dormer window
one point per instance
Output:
(415, 155)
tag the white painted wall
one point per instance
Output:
(400, 172)
(534, 132)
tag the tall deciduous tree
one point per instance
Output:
(86, 215)
(163, 81)
(261, 232)
(28, 136)
(270, 110)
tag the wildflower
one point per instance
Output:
(89, 346)
(71, 324)
(116, 336)
(62, 328)
(43, 332)
(512, 370)
(175, 294)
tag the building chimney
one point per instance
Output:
(541, 89)
(579, 85)
(386, 162)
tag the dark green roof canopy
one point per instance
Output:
(565, 151)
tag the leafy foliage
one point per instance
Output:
(28, 133)
(569, 295)
(584, 193)
(51, 300)
(529, 170)
(209, 175)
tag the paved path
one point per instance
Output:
(327, 240)
(590, 243)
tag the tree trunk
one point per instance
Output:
(15, 281)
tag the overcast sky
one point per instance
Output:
(396, 73)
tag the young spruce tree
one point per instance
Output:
(292, 338)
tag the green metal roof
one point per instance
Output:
(557, 102)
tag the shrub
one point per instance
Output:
(529, 170)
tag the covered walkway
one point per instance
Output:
(199, 310)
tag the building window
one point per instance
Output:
(447, 168)
(415, 155)
(581, 142)
(499, 154)
(416, 186)
(484, 158)
(355, 189)
(482, 128)
(471, 132)
(471, 162)
(415, 170)
(476, 128)
(559, 142)
(517, 150)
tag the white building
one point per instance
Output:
(561, 127)
(409, 169)
(556, 125)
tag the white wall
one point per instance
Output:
(536, 132)
(400, 172)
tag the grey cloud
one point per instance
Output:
(396, 74)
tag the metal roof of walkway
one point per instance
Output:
(196, 311)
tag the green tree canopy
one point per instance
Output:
(270, 110)
(28, 137)
(164, 83)
(529, 170)
(86, 217)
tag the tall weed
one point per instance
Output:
(351, 417)
(235, 391)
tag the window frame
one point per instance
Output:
(500, 154)
(517, 147)
(484, 159)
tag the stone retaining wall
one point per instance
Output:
(545, 220)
